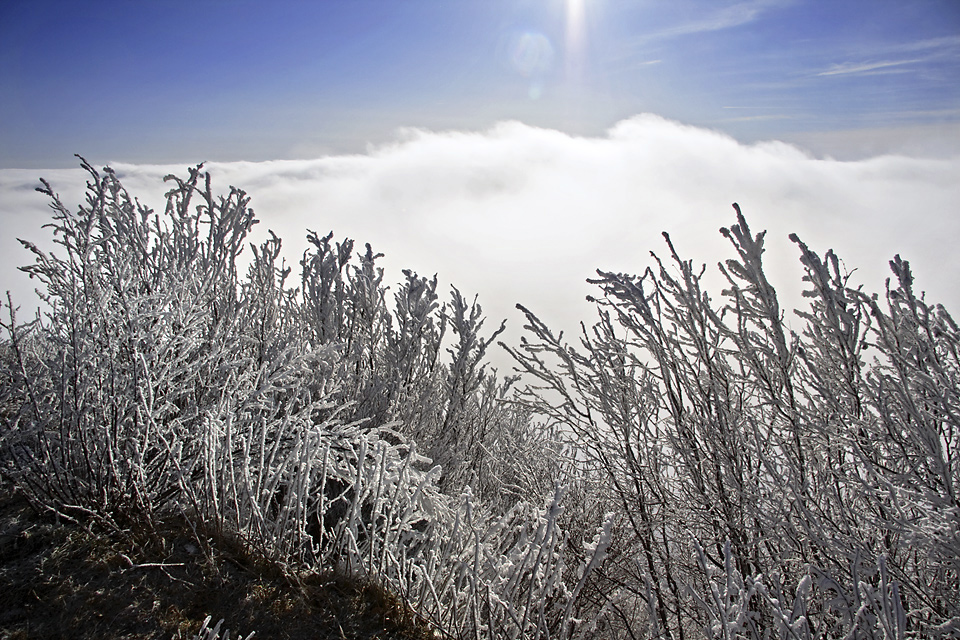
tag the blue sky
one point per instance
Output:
(169, 81)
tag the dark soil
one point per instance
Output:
(61, 580)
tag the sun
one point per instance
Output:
(575, 15)
(575, 35)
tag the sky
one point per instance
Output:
(510, 146)
(158, 81)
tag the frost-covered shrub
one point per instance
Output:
(769, 483)
(691, 468)
(315, 424)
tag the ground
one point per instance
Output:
(61, 580)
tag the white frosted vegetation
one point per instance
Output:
(690, 467)
(814, 473)
(163, 383)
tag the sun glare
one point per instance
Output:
(575, 37)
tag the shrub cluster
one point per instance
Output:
(318, 425)
(688, 469)
(772, 483)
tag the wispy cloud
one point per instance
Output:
(933, 48)
(711, 19)
(728, 17)
(854, 68)
(945, 44)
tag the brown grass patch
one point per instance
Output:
(60, 580)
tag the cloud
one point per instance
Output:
(635, 53)
(935, 49)
(851, 68)
(524, 214)
(728, 17)
(945, 45)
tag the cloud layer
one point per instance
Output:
(522, 214)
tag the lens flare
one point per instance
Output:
(531, 54)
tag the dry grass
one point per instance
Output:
(60, 580)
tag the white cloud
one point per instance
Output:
(852, 68)
(718, 19)
(701, 18)
(936, 49)
(522, 214)
(946, 45)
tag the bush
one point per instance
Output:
(690, 468)
(287, 420)
(770, 483)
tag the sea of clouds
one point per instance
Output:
(524, 214)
